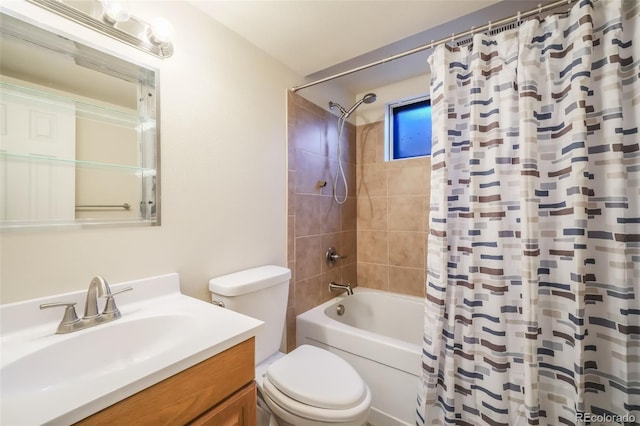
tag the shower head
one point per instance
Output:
(369, 98)
(333, 105)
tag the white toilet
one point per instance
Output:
(308, 386)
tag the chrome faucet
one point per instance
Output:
(344, 287)
(97, 288)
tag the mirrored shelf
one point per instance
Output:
(54, 224)
(62, 162)
(105, 113)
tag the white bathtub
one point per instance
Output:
(380, 335)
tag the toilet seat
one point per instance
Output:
(290, 406)
(318, 385)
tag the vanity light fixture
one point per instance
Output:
(112, 18)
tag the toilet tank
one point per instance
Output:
(260, 293)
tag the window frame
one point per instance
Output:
(389, 128)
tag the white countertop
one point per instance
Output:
(48, 378)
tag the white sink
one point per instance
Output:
(62, 378)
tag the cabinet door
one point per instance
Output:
(238, 410)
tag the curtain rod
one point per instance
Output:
(540, 9)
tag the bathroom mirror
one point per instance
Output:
(79, 134)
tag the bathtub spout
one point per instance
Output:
(344, 287)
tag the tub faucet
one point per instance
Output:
(344, 287)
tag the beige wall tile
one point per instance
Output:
(308, 256)
(307, 294)
(427, 166)
(349, 214)
(311, 169)
(308, 131)
(373, 247)
(380, 139)
(407, 181)
(408, 163)
(352, 179)
(406, 213)
(407, 280)
(349, 247)
(291, 148)
(427, 207)
(367, 144)
(371, 275)
(331, 215)
(372, 213)
(350, 274)
(349, 144)
(309, 215)
(330, 135)
(371, 180)
(406, 249)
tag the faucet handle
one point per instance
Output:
(70, 318)
(332, 256)
(110, 309)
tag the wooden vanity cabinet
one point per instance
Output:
(237, 410)
(219, 391)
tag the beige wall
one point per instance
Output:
(316, 222)
(223, 169)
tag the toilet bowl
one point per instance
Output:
(309, 386)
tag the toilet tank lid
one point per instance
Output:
(249, 280)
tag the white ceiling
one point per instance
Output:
(317, 38)
(309, 36)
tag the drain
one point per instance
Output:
(340, 309)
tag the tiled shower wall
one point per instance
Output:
(382, 228)
(393, 207)
(315, 221)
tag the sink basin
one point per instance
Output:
(71, 376)
(92, 353)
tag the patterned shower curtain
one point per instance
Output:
(533, 289)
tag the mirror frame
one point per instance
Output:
(147, 80)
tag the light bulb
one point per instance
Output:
(114, 11)
(161, 31)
